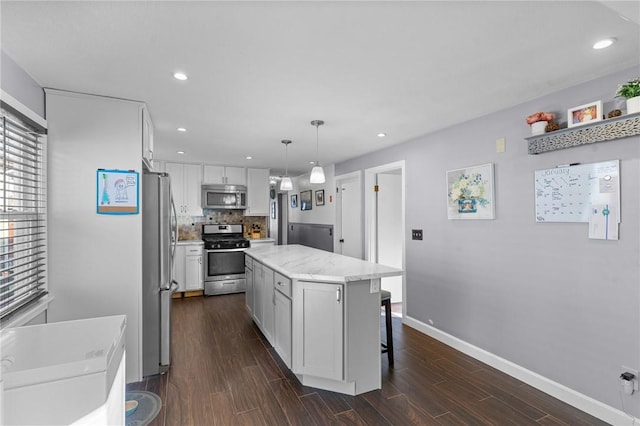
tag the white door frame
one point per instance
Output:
(357, 176)
(370, 234)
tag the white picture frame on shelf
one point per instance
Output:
(470, 193)
(585, 114)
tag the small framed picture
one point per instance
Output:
(305, 200)
(320, 197)
(585, 114)
(294, 201)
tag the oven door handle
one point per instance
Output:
(224, 250)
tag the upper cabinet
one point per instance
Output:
(186, 181)
(224, 175)
(147, 139)
(257, 192)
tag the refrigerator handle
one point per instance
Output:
(174, 228)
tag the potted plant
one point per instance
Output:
(539, 121)
(631, 91)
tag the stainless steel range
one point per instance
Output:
(224, 247)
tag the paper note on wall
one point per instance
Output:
(602, 222)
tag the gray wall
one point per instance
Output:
(540, 295)
(16, 82)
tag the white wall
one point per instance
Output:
(325, 215)
(18, 84)
(539, 295)
(95, 263)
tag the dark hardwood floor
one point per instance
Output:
(225, 373)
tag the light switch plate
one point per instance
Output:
(501, 145)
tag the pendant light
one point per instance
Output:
(285, 183)
(317, 174)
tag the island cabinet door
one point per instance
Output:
(282, 328)
(268, 305)
(322, 330)
(248, 273)
(258, 292)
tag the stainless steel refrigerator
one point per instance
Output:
(158, 248)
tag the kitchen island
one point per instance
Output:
(321, 313)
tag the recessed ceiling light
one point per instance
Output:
(181, 129)
(604, 43)
(382, 135)
(180, 76)
(312, 162)
(249, 157)
(180, 152)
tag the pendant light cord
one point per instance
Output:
(286, 157)
(317, 123)
(317, 150)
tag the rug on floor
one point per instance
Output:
(149, 405)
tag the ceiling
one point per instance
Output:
(259, 72)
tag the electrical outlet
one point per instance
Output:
(636, 379)
(416, 234)
(375, 286)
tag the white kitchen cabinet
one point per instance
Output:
(248, 272)
(263, 299)
(147, 138)
(179, 272)
(282, 327)
(224, 175)
(187, 267)
(257, 192)
(282, 318)
(186, 183)
(323, 330)
(268, 302)
(258, 292)
(194, 274)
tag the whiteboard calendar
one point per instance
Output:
(567, 194)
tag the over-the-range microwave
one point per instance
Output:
(224, 197)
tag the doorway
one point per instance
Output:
(385, 227)
(281, 218)
(348, 239)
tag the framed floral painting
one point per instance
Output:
(470, 193)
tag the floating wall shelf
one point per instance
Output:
(600, 131)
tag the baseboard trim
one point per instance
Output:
(582, 402)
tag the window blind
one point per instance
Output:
(22, 214)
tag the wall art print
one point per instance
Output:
(470, 193)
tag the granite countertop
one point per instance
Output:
(306, 263)
(188, 242)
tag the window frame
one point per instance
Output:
(23, 213)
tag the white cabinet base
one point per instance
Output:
(348, 388)
(361, 353)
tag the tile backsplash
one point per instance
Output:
(189, 227)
